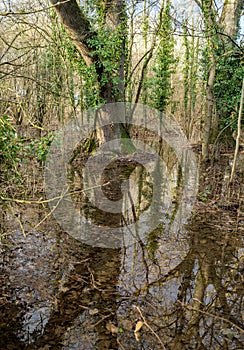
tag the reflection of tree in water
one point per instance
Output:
(186, 288)
(196, 304)
(199, 303)
(85, 299)
(12, 314)
(89, 291)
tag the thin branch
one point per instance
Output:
(11, 44)
(17, 13)
(238, 133)
(137, 64)
(198, 3)
(150, 328)
(154, 42)
(23, 201)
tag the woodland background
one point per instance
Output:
(184, 58)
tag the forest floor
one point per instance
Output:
(30, 249)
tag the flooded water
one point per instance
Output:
(177, 284)
(58, 293)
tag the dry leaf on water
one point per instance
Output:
(137, 330)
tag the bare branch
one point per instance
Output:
(17, 13)
(77, 26)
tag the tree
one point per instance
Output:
(190, 77)
(160, 84)
(219, 31)
(102, 47)
(88, 42)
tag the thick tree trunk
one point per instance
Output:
(210, 23)
(114, 19)
(81, 33)
(77, 27)
(230, 17)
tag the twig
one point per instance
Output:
(222, 130)
(150, 328)
(238, 133)
(24, 201)
(101, 320)
(119, 343)
(16, 13)
(19, 222)
(50, 213)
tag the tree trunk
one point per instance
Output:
(230, 17)
(229, 21)
(209, 109)
(77, 27)
(210, 25)
(82, 34)
(110, 90)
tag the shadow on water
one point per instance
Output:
(174, 287)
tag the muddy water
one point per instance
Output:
(176, 286)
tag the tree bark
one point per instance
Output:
(210, 26)
(238, 133)
(209, 109)
(77, 27)
(81, 33)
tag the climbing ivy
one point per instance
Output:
(9, 147)
(227, 87)
(107, 46)
(164, 65)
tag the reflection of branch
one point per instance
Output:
(212, 315)
(184, 265)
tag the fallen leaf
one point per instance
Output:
(138, 326)
(112, 328)
(137, 330)
(137, 336)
